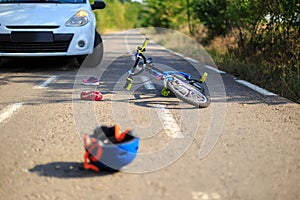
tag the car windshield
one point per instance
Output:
(42, 1)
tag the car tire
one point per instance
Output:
(95, 57)
(80, 59)
(98, 39)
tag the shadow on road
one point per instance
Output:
(66, 170)
(37, 64)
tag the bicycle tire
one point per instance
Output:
(189, 93)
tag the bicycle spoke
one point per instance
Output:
(188, 91)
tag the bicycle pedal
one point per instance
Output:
(165, 92)
(203, 78)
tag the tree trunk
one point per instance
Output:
(189, 17)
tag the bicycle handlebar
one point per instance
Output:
(143, 48)
(139, 55)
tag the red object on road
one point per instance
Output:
(91, 95)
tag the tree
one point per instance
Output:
(119, 15)
(212, 13)
(165, 13)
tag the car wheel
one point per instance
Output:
(95, 58)
(80, 59)
(98, 39)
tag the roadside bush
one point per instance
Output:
(118, 16)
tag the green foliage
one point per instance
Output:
(167, 13)
(212, 13)
(268, 38)
(118, 15)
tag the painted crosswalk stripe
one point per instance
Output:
(9, 110)
(46, 83)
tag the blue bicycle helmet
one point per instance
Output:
(109, 148)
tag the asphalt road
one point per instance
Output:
(245, 145)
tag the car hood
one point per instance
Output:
(37, 14)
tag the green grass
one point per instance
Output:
(280, 79)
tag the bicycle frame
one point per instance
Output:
(181, 84)
(150, 67)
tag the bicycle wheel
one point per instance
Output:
(189, 93)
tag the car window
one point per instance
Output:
(42, 1)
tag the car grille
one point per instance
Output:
(9, 47)
(60, 43)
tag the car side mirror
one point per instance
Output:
(98, 4)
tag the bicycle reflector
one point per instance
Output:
(109, 148)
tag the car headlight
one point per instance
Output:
(79, 19)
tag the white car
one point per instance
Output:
(48, 28)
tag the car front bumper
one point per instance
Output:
(61, 41)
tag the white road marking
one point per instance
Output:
(168, 50)
(206, 196)
(196, 61)
(178, 54)
(191, 59)
(147, 83)
(46, 83)
(214, 69)
(170, 126)
(9, 110)
(256, 88)
(171, 51)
